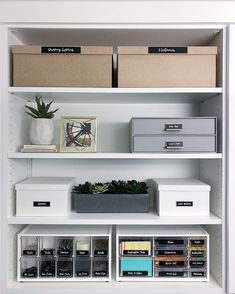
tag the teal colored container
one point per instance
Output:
(136, 267)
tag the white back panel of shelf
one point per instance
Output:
(211, 173)
(216, 253)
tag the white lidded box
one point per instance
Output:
(182, 197)
(44, 196)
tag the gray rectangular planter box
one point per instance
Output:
(109, 203)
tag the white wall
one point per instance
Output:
(111, 11)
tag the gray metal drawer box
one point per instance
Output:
(174, 143)
(181, 126)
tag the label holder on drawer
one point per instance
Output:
(174, 145)
(173, 127)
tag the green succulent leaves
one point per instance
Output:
(113, 187)
(42, 110)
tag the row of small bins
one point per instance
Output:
(143, 253)
(68, 252)
(63, 267)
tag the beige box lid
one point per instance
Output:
(143, 50)
(99, 50)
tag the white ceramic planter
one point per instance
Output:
(42, 131)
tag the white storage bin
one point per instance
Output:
(182, 197)
(44, 196)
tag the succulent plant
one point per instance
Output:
(42, 110)
(118, 187)
(83, 188)
(135, 187)
(99, 188)
(114, 187)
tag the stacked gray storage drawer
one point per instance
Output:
(192, 134)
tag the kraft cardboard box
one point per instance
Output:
(166, 66)
(85, 66)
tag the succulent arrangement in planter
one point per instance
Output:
(42, 129)
(114, 196)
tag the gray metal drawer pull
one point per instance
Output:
(173, 127)
(174, 145)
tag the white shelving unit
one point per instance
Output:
(127, 233)
(114, 108)
(74, 233)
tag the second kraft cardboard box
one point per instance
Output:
(166, 66)
(85, 66)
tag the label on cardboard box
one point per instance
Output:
(60, 50)
(168, 50)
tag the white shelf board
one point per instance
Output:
(117, 95)
(117, 219)
(211, 287)
(109, 155)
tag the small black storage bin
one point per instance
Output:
(83, 267)
(65, 267)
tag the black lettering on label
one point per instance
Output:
(197, 263)
(171, 263)
(135, 252)
(29, 252)
(100, 273)
(170, 242)
(167, 50)
(135, 273)
(198, 274)
(41, 203)
(197, 253)
(171, 274)
(61, 50)
(197, 242)
(47, 274)
(66, 274)
(173, 127)
(100, 253)
(29, 275)
(83, 274)
(82, 252)
(174, 144)
(64, 252)
(184, 203)
(170, 252)
(47, 252)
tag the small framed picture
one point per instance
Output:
(78, 134)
